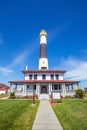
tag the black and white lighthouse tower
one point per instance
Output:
(43, 59)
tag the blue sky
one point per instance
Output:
(66, 24)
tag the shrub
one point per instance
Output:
(25, 96)
(80, 92)
(12, 95)
(2, 94)
(18, 97)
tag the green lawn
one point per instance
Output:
(72, 114)
(17, 114)
(85, 96)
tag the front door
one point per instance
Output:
(43, 89)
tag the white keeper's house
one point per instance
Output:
(43, 80)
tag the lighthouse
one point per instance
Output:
(43, 81)
(43, 59)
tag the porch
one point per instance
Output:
(43, 90)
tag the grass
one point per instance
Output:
(3, 95)
(72, 114)
(17, 114)
(85, 96)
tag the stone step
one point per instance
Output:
(44, 96)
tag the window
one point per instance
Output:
(55, 87)
(30, 77)
(52, 76)
(43, 68)
(59, 87)
(35, 76)
(43, 76)
(72, 87)
(28, 87)
(57, 76)
(34, 87)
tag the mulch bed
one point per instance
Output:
(54, 103)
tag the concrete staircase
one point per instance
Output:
(44, 96)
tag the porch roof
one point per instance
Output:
(3, 89)
(44, 71)
(67, 82)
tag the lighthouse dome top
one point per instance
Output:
(43, 32)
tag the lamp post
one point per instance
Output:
(33, 93)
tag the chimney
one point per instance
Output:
(26, 67)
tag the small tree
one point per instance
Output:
(80, 92)
(12, 95)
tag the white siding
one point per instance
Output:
(39, 77)
(60, 77)
(48, 77)
(2, 92)
(26, 77)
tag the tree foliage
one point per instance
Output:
(80, 92)
(12, 95)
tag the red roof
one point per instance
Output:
(3, 85)
(3, 89)
(44, 71)
(44, 81)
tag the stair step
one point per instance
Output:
(44, 96)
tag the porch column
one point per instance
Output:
(50, 88)
(25, 88)
(38, 88)
(64, 89)
(77, 85)
(36, 91)
(70, 87)
(11, 87)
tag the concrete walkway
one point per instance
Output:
(46, 118)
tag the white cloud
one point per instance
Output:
(19, 60)
(5, 71)
(54, 32)
(76, 69)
